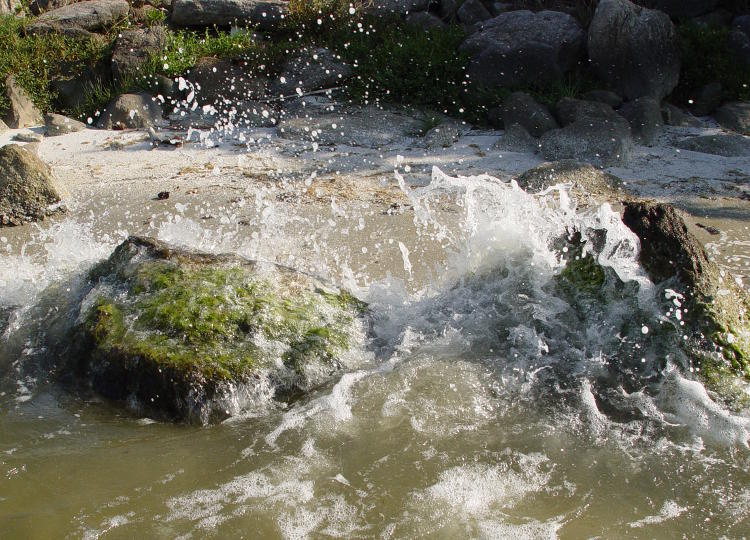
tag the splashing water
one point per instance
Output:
(508, 395)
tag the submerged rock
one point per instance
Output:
(714, 306)
(197, 337)
(27, 187)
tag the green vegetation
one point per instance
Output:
(208, 319)
(706, 58)
(36, 60)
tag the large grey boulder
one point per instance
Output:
(634, 49)
(133, 48)
(312, 70)
(264, 13)
(603, 142)
(646, 121)
(522, 47)
(27, 187)
(587, 183)
(718, 145)
(517, 139)
(58, 124)
(603, 96)
(21, 111)
(734, 116)
(707, 99)
(522, 109)
(131, 111)
(674, 116)
(81, 18)
(473, 12)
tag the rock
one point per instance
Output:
(193, 337)
(718, 145)
(425, 21)
(738, 43)
(367, 126)
(314, 69)
(569, 110)
(37, 7)
(81, 18)
(9, 7)
(448, 9)
(266, 14)
(28, 137)
(220, 82)
(646, 122)
(522, 109)
(681, 9)
(707, 99)
(517, 139)
(634, 50)
(21, 111)
(442, 136)
(715, 308)
(589, 185)
(131, 111)
(133, 48)
(28, 191)
(473, 12)
(603, 142)
(3, 126)
(521, 47)
(734, 116)
(603, 96)
(58, 124)
(716, 19)
(674, 116)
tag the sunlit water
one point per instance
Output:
(488, 403)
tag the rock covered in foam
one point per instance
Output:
(198, 337)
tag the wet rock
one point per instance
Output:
(603, 96)
(315, 69)
(646, 122)
(674, 116)
(715, 307)
(473, 12)
(21, 112)
(425, 21)
(195, 337)
(58, 124)
(368, 126)
(522, 47)
(588, 183)
(569, 110)
(28, 191)
(718, 145)
(634, 50)
(266, 14)
(131, 111)
(133, 48)
(517, 139)
(81, 18)
(522, 109)
(603, 142)
(734, 116)
(221, 82)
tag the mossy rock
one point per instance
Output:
(191, 336)
(715, 307)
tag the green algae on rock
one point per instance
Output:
(199, 337)
(715, 307)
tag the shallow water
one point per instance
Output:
(490, 403)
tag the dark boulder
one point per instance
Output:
(267, 14)
(646, 122)
(522, 109)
